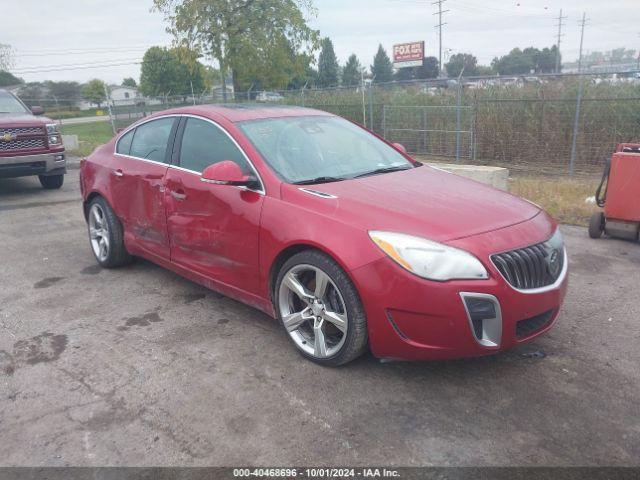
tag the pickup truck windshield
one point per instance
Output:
(10, 104)
(319, 149)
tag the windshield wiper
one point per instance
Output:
(382, 170)
(312, 181)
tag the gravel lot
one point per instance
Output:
(140, 367)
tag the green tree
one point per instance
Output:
(170, 72)
(461, 61)
(273, 71)
(352, 72)
(484, 70)
(328, 67)
(31, 93)
(514, 63)
(8, 80)
(382, 68)
(529, 60)
(94, 92)
(64, 93)
(6, 56)
(129, 82)
(241, 33)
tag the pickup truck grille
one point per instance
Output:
(22, 144)
(22, 131)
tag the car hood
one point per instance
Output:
(26, 119)
(425, 202)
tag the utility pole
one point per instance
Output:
(583, 23)
(576, 120)
(560, 25)
(439, 27)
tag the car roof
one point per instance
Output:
(241, 112)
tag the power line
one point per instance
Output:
(85, 67)
(560, 25)
(72, 65)
(82, 52)
(439, 27)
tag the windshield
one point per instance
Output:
(319, 149)
(10, 104)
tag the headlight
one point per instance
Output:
(428, 259)
(53, 131)
(556, 241)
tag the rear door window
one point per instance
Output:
(124, 144)
(150, 139)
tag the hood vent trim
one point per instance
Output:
(317, 193)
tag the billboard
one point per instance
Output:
(408, 55)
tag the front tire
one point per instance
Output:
(320, 309)
(51, 182)
(596, 225)
(106, 235)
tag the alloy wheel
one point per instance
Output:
(313, 311)
(99, 232)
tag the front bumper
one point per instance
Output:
(53, 163)
(411, 318)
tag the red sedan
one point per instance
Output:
(344, 238)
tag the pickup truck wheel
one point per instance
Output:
(106, 235)
(51, 182)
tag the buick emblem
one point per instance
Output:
(554, 263)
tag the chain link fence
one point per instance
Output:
(524, 123)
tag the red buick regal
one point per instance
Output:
(341, 236)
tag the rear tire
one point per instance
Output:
(106, 235)
(596, 225)
(325, 318)
(51, 182)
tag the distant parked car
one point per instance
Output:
(29, 145)
(269, 97)
(340, 235)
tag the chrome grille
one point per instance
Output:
(22, 131)
(532, 267)
(22, 144)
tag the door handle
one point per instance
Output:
(118, 173)
(178, 195)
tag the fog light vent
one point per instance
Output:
(485, 318)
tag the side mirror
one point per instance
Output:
(228, 173)
(400, 147)
(37, 110)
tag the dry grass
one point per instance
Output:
(563, 198)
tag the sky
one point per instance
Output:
(80, 40)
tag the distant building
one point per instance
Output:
(124, 95)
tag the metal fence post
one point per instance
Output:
(384, 122)
(108, 95)
(458, 119)
(576, 123)
(371, 126)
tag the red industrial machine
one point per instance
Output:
(619, 195)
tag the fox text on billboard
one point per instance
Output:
(408, 54)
